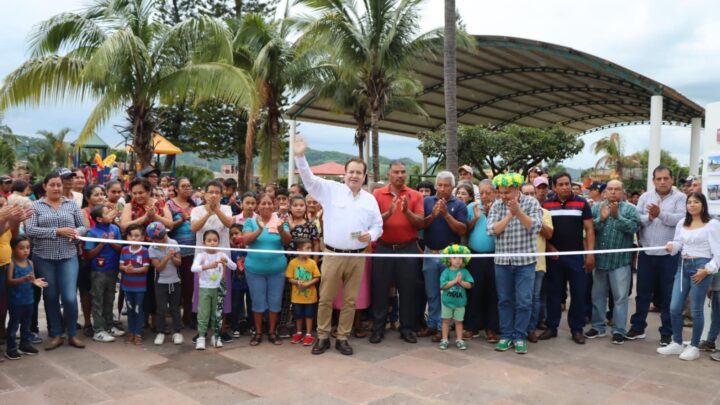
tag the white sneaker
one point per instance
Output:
(116, 332)
(160, 339)
(672, 348)
(690, 353)
(103, 337)
(200, 343)
(177, 338)
(216, 341)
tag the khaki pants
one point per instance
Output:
(337, 272)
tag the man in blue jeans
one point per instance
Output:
(445, 222)
(660, 210)
(571, 217)
(514, 220)
(616, 222)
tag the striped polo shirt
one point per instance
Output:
(568, 217)
(134, 282)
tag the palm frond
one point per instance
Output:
(65, 32)
(207, 81)
(99, 116)
(51, 78)
(122, 49)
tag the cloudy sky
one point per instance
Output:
(673, 42)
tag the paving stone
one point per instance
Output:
(83, 362)
(383, 377)
(7, 384)
(156, 396)
(214, 392)
(70, 392)
(417, 367)
(119, 382)
(403, 399)
(33, 371)
(199, 365)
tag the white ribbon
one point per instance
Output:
(362, 254)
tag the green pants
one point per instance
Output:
(207, 301)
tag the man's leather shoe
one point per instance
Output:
(75, 342)
(320, 346)
(343, 347)
(491, 336)
(408, 337)
(532, 337)
(578, 338)
(376, 338)
(54, 343)
(437, 337)
(547, 334)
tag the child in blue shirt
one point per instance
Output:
(240, 290)
(20, 279)
(134, 264)
(104, 264)
(454, 280)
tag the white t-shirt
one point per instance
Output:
(210, 278)
(213, 223)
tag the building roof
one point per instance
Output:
(531, 83)
(94, 142)
(328, 169)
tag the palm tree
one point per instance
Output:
(264, 50)
(613, 151)
(115, 52)
(55, 145)
(450, 83)
(7, 151)
(376, 43)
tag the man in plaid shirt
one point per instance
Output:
(615, 222)
(514, 220)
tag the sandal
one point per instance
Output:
(256, 339)
(272, 338)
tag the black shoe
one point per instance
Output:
(375, 338)
(633, 334)
(408, 337)
(578, 338)
(283, 332)
(29, 350)
(13, 355)
(88, 331)
(343, 347)
(665, 340)
(547, 334)
(618, 339)
(321, 345)
(593, 333)
(225, 338)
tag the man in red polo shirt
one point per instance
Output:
(402, 213)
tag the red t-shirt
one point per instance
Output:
(397, 228)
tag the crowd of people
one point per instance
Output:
(153, 247)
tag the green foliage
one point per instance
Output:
(173, 11)
(115, 51)
(7, 157)
(39, 164)
(198, 175)
(680, 172)
(513, 147)
(55, 145)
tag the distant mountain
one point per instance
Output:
(314, 157)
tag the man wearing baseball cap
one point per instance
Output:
(465, 173)
(6, 185)
(542, 186)
(596, 189)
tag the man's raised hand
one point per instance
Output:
(299, 145)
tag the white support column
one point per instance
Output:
(656, 109)
(291, 153)
(695, 127)
(368, 139)
(423, 167)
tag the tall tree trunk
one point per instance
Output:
(274, 128)
(238, 9)
(375, 127)
(450, 79)
(360, 137)
(142, 134)
(250, 149)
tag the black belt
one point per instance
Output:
(397, 246)
(332, 249)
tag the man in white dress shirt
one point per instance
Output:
(352, 220)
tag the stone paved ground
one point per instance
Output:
(393, 372)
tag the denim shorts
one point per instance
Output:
(266, 291)
(303, 311)
(457, 314)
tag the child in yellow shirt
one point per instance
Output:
(303, 274)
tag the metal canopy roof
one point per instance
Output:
(530, 83)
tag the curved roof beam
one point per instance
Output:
(571, 104)
(536, 69)
(567, 89)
